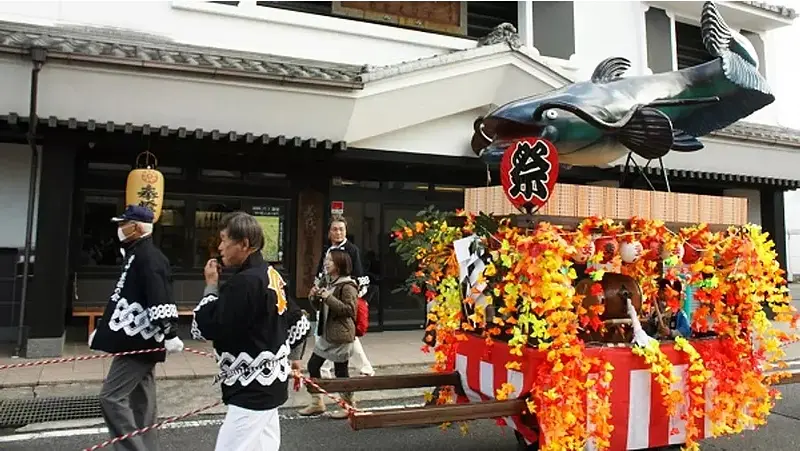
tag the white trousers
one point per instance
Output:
(249, 430)
(358, 360)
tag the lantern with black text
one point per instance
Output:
(145, 186)
(528, 173)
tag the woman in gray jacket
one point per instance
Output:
(336, 328)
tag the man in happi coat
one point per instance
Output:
(140, 315)
(256, 332)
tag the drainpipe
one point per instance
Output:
(38, 57)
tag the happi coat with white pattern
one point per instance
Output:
(256, 330)
(141, 312)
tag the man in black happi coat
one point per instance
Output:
(140, 314)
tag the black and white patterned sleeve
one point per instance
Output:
(161, 309)
(202, 324)
(363, 286)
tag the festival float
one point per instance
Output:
(600, 318)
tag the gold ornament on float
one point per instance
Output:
(145, 185)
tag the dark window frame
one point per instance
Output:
(190, 268)
(482, 17)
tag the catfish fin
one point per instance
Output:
(684, 142)
(610, 69)
(648, 133)
(719, 38)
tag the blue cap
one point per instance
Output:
(135, 213)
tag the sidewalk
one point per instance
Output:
(385, 349)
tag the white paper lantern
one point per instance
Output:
(631, 251)
(583, 255)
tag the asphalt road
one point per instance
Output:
(780, 434)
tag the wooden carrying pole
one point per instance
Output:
(373, 383)
(436, 414)
(445, 413)
(793, 368)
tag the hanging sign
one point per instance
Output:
(528, 172)
(337, 207)
(145, 186)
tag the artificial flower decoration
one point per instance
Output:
(722, 281)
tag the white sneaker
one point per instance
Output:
(368, 373)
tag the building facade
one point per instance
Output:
(283, 108)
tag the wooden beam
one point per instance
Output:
(793, 379)
(793, 368)
(436, 414)
(373, 383)
(570, 222)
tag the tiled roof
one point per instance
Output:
(128, 48)
(687, 174)
(783, 11)
(770, 134)
(136, 49)
(14, 120)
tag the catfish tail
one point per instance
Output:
(741, 88)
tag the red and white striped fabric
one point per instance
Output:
(639, 417)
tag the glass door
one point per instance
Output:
(400, 309)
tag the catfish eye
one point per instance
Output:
(551, 114)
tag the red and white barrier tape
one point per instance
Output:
(151, 427)
(96, 356)
(299, 379)
(341, 402)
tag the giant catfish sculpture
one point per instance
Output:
(595, 122)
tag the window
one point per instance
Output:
(100, 245)
(271, 217)
(187, 244)
(449, 188)
(413, 186)
(169, 233)
(368, 184)
(470, 19)
(207, 217)
(691, 50)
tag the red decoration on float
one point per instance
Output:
(690, 253)
(528, 173)
(608, 246)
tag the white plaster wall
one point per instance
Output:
(783, 66)
(15, 169)
(609, 28)
(110, 95)
(449, 136)
(737, 157)
(15, 87)
(247, 28)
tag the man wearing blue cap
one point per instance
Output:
(139, 315)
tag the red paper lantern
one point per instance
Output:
(608, 246)
(691, 253)
(528, 173)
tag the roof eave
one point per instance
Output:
(386, 72)
(197, 70)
